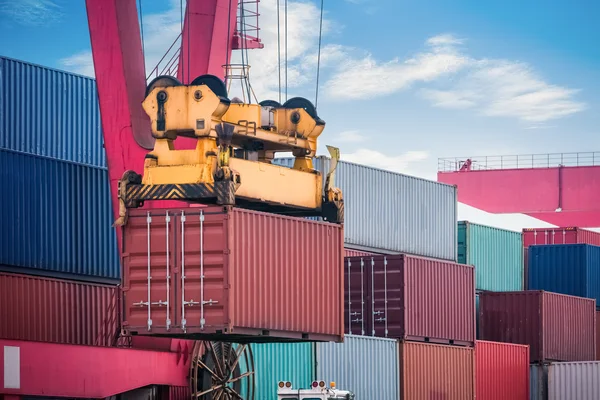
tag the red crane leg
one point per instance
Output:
(55, 370)
(563, 196)
(207, 38)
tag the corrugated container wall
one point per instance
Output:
(497, 255)
(557, 327)
(538, 382)
(502, 371)
(598, 335)
(387, 212)
(259, 276)
(429, 371)
(356, 253)
(574, 381)
(289, 362)
(57, 311)
(56, 219)
(565, 235)
(410, 298)
(367, 366)
(565, 268)
(49, 113)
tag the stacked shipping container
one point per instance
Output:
(55, 172)
(565, 268)
(557, 327)
(496, 254)
(391, 213)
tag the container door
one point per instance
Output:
(200, 241)
(462, 248)
(148, 262)
(355, 292)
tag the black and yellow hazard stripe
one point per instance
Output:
(170, 192)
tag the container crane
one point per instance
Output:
(224, 146)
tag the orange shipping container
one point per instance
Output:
(431, 371)
(225, 273)
(502, 371)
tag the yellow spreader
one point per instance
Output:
(235, 146)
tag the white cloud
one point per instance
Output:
(402, 163)
(501, 88)
(444, 40)
(32, 12)
(491, 87)
(350, 137)
(80, 63)
(364, 77)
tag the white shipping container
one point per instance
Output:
(389, 213)
(574, 380)
(367, 366)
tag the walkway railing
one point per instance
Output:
(523, 161)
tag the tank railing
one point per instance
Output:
(169, 62)
(524, 161)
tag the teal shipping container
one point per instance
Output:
(274, 362)
(497, 255)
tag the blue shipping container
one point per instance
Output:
(50, 113)
(572, 269)
(56, 219)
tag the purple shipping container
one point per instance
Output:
(556, 327)
(410, 298)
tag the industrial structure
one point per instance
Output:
(230, 273)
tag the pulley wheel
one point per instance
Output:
(214, 83)
(301, 102)
(162, 81)
(222, 371)
(270, 103)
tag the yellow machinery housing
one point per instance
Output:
(235, 145)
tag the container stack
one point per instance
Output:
(59, 263)
(566, 260)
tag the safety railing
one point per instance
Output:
(523, 161)
(169, 62)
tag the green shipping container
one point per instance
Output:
(274, 362)
(497, 255)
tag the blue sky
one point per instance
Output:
(402, 82)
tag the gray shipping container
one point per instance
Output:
(538, 382)
(390, 213)
(367, 366)
(574, 381)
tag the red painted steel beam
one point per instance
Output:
(538, 192)
(121, 81)
(207, 38)
(120, 78)
(55, 370)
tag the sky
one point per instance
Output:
(402, 83)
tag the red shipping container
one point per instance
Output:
(502, 371)
(557, 327)
(564, 235)
(430, 371)
(356, 253)
(597, 335)
(410, 298)
(35, 308)
(175, 393)
(224, 273)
